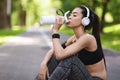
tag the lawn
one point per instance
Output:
(5, 35)
(110, 40)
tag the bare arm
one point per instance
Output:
(72, 49)
(47, 56)
(43, 67)
(51, 51)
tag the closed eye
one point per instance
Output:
(75, 15)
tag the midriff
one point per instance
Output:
(98, 69)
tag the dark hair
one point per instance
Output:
(94, 24)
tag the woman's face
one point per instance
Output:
(75, 18)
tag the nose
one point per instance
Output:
(69, 17)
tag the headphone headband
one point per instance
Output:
(88, 12)
(86, 20)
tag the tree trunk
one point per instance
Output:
(22, 17)
(9, 13)
(105, 2)
(95, 3)
(3, 15)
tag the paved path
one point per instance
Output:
(20, 58)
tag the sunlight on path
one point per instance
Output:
(19, 40)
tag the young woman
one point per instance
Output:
(81, 56)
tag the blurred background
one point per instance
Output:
(16, 16)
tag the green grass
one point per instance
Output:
(109, 40)
(5, 35)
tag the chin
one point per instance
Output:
(69, 26)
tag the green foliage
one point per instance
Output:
(70, 4)
(66, 30)
(111, 39)
(114, 9)
(56, 4)
(14, 17)
(15, 5)
(34, 9)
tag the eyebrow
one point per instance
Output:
(74, 13)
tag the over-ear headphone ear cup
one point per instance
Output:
(85, 21)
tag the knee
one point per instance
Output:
(67, 61)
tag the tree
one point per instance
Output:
(27, 12)
(105, 3)
(19, 9)
(114, 10)
(9, 13)
(70, 4)
(22, 16)
(92, 4)
(3, 15)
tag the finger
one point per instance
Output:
(41, 77)
(48, 73)
(51, 27)
(44, 76)
(57, 19)
(61, 19)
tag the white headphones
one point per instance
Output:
(86, 20)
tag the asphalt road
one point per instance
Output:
(20, 58)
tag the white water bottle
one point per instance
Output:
(47, 19)
(51, 19)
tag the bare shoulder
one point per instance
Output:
(91, 44)
(88, 37)
(88, 41)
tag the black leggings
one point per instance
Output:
(69, 69)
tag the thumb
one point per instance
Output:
(51, 27)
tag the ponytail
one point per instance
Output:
(96, 33)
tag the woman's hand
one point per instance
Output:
(43, 72)
(59, 21)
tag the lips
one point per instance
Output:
(69, 21)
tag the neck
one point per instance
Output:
(79, 31)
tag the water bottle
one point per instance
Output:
(47, 19)
(52, 19)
